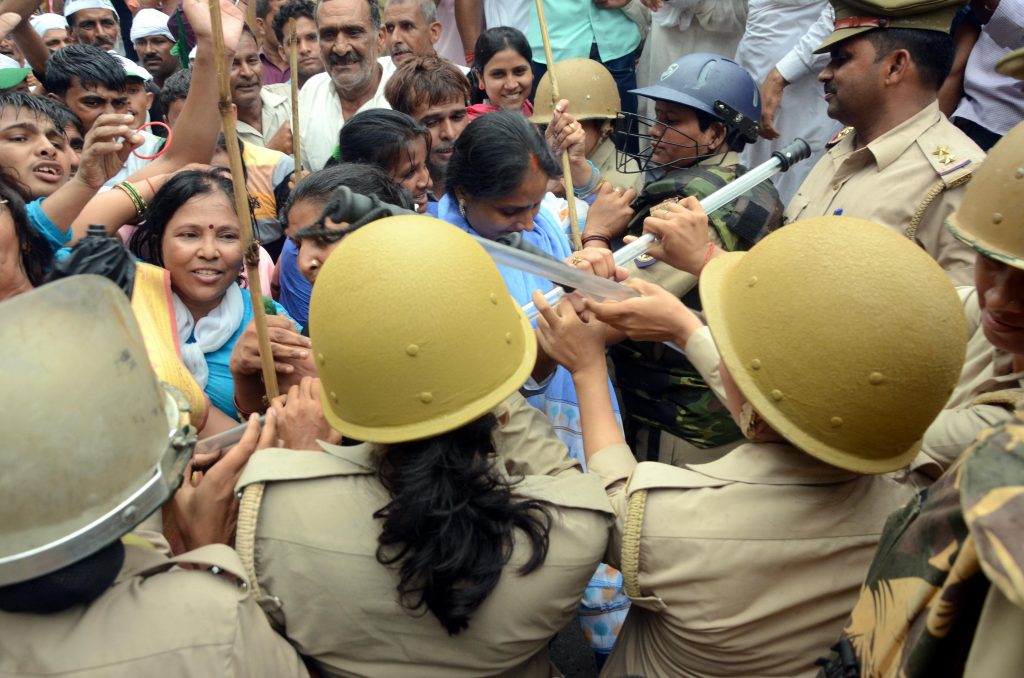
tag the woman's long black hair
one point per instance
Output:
(380, 137)
(451, 522)
(36, 255)
(147, 241)
(494, 153)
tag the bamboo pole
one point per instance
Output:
(250, 247)
(293, 66)
(570, 196)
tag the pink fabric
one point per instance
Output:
(476, 110)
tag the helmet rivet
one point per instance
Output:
(752, 281)
(997, 218)
(776, 395)
(426, 397)
(508, 337)
(836, 422)
(1019, 173)
(876, 378)
(320, 358)
(128, 515)
(333, 396)
(412, 349)
(588, 97)
(755, 364)
(494, 298)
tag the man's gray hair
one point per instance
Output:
(428, 8)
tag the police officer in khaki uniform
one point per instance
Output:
(945, 595)
(746, 565)
(900, 162)
(95, 445)
(430, 550)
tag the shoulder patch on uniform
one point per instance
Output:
(951, 153)
(838, 137)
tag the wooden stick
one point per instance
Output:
(570, 195)
(293, 67)
(250, 247)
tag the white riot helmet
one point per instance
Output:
(94, 443)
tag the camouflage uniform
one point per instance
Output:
(659, 387)
(944, 562)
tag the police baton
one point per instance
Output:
(781, 160)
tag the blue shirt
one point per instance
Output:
(220, 388)
(574, 25)
(54, 237)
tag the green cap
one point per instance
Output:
(1012, 64)
(12, 77)
(854, 17)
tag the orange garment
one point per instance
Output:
(151, 302)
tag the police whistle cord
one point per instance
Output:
(781, 160)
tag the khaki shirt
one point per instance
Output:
(155, 620)
(910, 179)
(745, 566)
(310, 545)
(987, 370)
(277, 110)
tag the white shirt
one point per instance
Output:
(320, 116)
(151, 146)
(992, 100)
(783, 34)
(514, 13)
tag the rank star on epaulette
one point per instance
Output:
(943, 154)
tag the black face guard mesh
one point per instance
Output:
(628, 128)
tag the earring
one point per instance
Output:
(462, 207)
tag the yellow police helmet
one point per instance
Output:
(1012, 64)
(586, 84)
(414, 332)
(843, 335)
(93, 442)
(991, 217)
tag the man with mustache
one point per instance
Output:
(263, 112)
(411, 30)
(93, 22)
(351, 40)
(435, 92)
(153, 43)
(899, 162)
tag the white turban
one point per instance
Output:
(150, 22)
(72, 6)
(48, 22)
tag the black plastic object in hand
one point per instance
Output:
(98, 254)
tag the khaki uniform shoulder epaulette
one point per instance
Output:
(838, 137)
(650, 476)
(953, 157)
